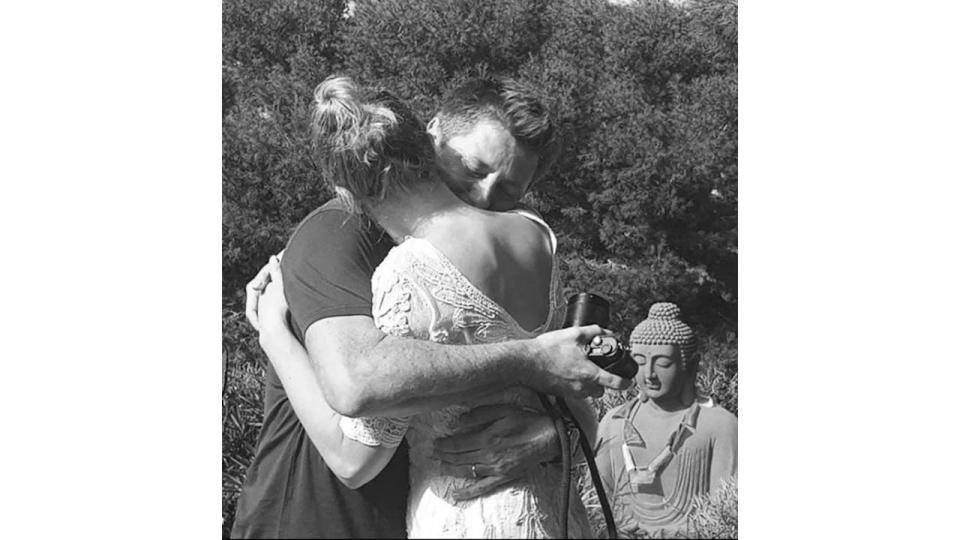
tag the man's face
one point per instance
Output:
(485, 166)
(660, 373)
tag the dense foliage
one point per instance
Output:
(644, 197)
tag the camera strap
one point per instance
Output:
(566, 461)
(591, 464)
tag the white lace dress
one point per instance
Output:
(419, 293)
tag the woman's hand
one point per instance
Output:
(255, 289)
(272, 307)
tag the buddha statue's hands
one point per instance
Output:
(496, 443)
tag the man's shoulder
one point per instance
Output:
(331, 228)
(328, 263)
(330, 218)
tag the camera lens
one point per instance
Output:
(584, 309)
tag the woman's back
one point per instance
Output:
(507, 256)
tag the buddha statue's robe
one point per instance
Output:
(705, 454)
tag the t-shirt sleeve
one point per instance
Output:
(327, 267)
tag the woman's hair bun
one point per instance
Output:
(369, 143)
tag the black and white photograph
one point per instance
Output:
(480, 269)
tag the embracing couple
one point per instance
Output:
(410, 325)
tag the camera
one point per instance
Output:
(584, 309)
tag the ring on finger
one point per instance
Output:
(473, 469)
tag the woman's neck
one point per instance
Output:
(410, 211)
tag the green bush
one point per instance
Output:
(274, 54)
(242, 401)
(715, 516)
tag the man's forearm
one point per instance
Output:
(364, 372)
(401, 376)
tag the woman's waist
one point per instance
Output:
(426, 427)
(428, 478)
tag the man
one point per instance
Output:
(493, 140)
(657, 452)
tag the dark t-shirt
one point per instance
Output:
(289, 492)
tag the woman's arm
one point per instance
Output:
(353, 462)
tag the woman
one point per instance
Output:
(459, 275)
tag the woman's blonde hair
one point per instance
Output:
(369, 144)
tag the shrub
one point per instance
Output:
(274, 54)
(242, 402)
(715, 516)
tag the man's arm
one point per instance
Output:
(364, 372)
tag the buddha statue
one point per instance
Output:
(657, 452)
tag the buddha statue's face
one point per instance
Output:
(660, 376)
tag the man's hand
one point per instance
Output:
(255, 288)
(498, 443)
(559, 364)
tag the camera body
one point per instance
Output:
(609, 354)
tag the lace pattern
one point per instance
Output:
(375, 430)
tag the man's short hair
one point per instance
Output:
(513, 104)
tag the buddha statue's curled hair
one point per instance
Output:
(368, 143)
(664, 327)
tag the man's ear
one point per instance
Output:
(433, 128)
